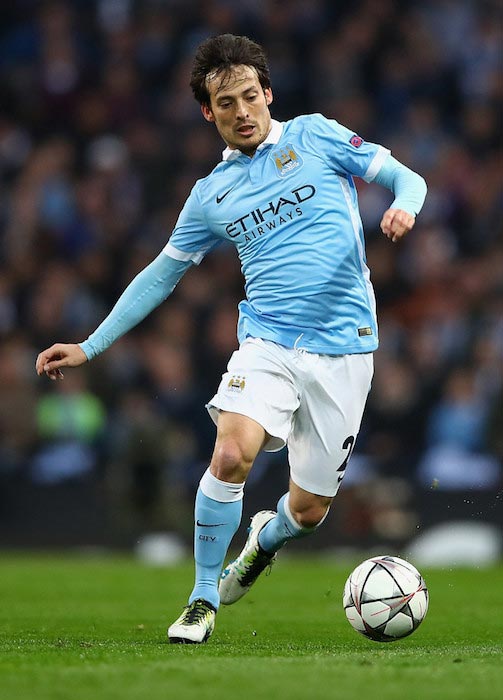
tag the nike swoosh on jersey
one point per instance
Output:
(219, 198)
(209, 524)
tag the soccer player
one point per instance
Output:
(284, 194)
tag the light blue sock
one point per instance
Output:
(282, 528)
(216, 523)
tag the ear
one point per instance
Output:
(207, 113)
(268, 96)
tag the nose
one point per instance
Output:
(241, 109)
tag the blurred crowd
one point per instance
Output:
(100, 143)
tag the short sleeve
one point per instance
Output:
(191, 238)
(347, 152)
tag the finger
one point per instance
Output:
(400, 233)
(398, 227)
(52, 365)
(387, 222)
(396, 222)
(50, 369)
(46, 356)
(403, 218)
(401, 226)
(40, 362)
(397, 236)
(55, 374)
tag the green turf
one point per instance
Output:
(77, 628)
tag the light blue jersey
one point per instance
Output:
(292, 213)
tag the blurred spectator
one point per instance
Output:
(70, 425)
(17, 404)
(456, 454)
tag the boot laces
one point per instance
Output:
(195, 612)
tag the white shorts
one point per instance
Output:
(312, 403)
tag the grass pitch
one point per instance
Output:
(74, 628)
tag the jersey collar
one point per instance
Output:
(230, 154)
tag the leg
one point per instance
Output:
(239, 440)
(323, 434)
(300, 513)
(252, 408)
(308, 509)
(320, 445)
(217, 516)
(219, 500)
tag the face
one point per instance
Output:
(239, 109)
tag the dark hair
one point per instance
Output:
(219, 54)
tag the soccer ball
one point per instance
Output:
(385, 598)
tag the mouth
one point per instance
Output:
(246, 130)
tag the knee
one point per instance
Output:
(229, 461)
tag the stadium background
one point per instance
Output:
(100, 142)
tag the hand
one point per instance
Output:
(396, 223)
(59, 355)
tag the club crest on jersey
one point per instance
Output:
(236, 384)
(286, 160)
